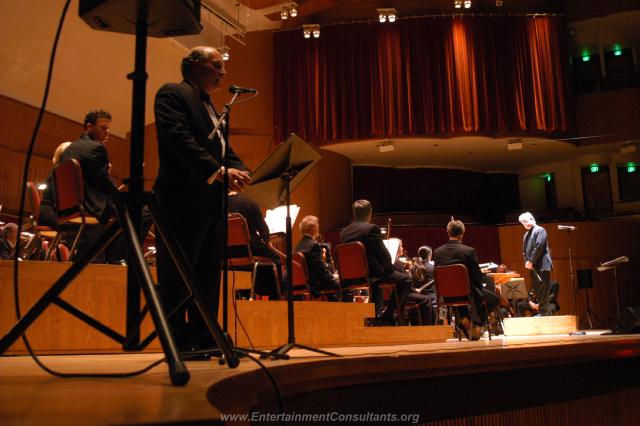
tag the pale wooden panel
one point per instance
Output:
(100, 291)
(535, 326)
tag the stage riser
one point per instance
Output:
(100, 291)
(536, 326)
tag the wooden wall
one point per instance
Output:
(591, 244)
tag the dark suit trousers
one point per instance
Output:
(542, 290)
(403, 283)
(198, 230)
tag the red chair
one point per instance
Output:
(353, 269)
(43, 233)
(239, 240)
(453, 288)
(301, 280)
(68, 185)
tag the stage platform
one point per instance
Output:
(542, 380)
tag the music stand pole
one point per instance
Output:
(286, 177)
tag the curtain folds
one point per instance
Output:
(444, 76)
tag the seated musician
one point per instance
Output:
(454, 252)
(8, 239)
(378, 258)
(531, 305)
(260, 245)
(320, 278)
(423, 291)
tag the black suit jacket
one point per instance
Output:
(98, 186)
(319, 275)
(535, 248)
(369, 234)
(250, 210)
(188, 156)
(453, 252)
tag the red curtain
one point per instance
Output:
(443, 76)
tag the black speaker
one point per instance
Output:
(629, 321)
(585, 279)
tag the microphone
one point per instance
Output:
(238, 89)
(567, 227)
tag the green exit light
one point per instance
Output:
(631, 168)
(586, 58)
(617, 53)
(594, 168)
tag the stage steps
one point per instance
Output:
(536, 326)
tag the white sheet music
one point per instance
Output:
(277, 218)
(392, 245)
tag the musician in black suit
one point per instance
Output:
(535, 249)
(189, 187)
(8, 240)
(378, 259)
(454, 252)
(260, 245)
(319, 276)
(91, 153)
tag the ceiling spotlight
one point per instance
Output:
(467, 4)
(309, 30)
(457, 4)
(224, 51)
(498, 3)
(386, 14)
(293, 10)
(284, 14)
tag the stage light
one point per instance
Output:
(224, 51)
(467, 4)
(457, 4)
(42, 186)
(386, 14)
(309, 30)
(284, 14)
(293, 10)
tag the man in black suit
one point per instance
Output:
(189, 187)
(91, 153)
(454, 252)
(378, 259)
(8, 240)
(260, 245)
(319, 276)
(535, 249)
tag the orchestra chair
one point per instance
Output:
(43, 233)
(239, 243)
(453, 289)
(68, 189)
(353, 269)
(301, 286)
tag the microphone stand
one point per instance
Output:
(573, 286)
(224, 116)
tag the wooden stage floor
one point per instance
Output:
(437, 381)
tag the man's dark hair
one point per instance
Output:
(425, 252)
(361, 209)
(188, 62)
(95, 114)
(455, 228)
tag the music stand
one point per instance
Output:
(272, 184)
(515, 290)
(613, 264)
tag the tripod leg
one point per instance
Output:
(58, 287)
(177, 370)
(190, 281)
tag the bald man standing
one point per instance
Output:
(189, 187)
